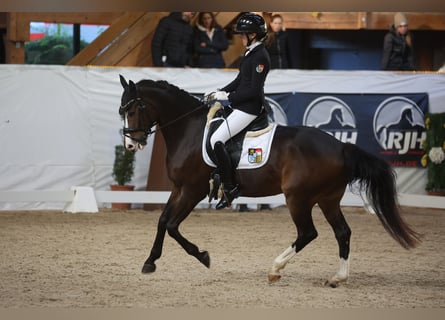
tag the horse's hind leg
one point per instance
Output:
(302, 217)
(333, 214)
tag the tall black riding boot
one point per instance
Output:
(225, 165)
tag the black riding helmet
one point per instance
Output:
(252, 23)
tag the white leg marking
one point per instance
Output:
(281, 261)
(342, 274)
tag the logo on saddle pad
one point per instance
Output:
(255, 155)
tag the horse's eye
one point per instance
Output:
(131, 113)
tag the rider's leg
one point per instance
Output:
(234, 123)
(231, 190)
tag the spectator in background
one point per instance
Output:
(209, 40)
(172, 44)
(277, 43)
(398, 52)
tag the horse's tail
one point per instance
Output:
(377, 179)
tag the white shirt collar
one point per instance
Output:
(252, 46)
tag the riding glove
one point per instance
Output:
(207, 96)
(219, 95)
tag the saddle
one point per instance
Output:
(234, 145)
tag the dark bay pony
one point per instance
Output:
(307, 165)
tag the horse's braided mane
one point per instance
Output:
(162, 84)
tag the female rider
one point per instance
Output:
(245, 95)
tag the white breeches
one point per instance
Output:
(233, 124)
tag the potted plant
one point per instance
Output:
(123, 170)
(434, 157)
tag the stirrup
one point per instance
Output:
(227, 198)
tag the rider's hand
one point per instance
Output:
(207, 96)
(220, 95)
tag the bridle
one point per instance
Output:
(128, 131)
(147, 132)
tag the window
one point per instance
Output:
(56, 43)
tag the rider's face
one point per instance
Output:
(245, 39)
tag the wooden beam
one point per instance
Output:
(11, 26)
(321, 20)
(361, 20)
(234, 51)
(129, 40)
(140, 55)
(225, 18)
(14, 52)
(71, 17)
(14, 44)
(417, 21)
(121, 24)
(2, 20)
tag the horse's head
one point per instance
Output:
(137, 119)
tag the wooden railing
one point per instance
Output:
(127, 41)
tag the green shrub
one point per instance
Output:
(434, 146)
(123, 167)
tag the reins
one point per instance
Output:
(175, 120)
(127, 131)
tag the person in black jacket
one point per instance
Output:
(209, 40)
(398, 51)
(172, 44)
(277, 44)
(245, 95)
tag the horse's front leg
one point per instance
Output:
(176, 210)
(190, 248)
(156, 251)
(181, 210)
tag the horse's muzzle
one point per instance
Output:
(133, 145)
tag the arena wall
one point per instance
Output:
(59, 124)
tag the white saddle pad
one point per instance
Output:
(256, 148)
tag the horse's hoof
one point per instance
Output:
(149, 268)
(334, 283)
(273, 278)
(205, 259)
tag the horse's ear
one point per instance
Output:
(123, 82)
(132, 86)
